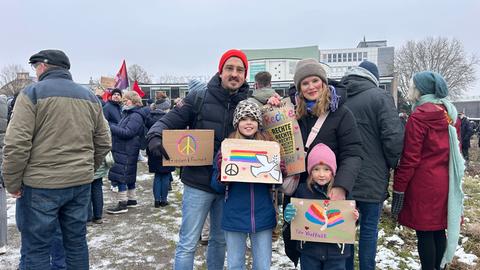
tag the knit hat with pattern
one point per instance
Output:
(247, 109)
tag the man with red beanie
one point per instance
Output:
(224, 91)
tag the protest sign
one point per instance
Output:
(281, 123)
(107, 82)
(323, 221)
(251, 161)
(189, 147)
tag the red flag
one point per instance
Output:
(121, 79)
(106, 95)
(137, 89)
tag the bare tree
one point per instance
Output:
(167, 78)
(136, 72)
(10, 82)
(441, 55)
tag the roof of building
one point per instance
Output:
(284, 53)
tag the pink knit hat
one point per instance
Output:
(321, 154)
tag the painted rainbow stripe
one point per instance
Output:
(248, 156)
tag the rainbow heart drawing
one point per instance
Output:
(316, 215)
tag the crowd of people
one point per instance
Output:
(353, 139)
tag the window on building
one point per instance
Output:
(354, 56)
(334, 58)
(349, 57)
(365, 55)
(329, 57)
(345, 57)
(175, 92)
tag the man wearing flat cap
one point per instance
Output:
(224, 91)
(56, 138)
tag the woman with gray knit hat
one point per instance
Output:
(427, 190)
(319, 104)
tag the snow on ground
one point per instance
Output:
(145, 237)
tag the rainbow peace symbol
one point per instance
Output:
(187, 145)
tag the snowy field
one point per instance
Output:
(145, 237)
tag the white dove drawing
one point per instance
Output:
(270, 167)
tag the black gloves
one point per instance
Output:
(156, 148)
(397, 203)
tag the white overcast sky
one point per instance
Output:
(186, 37)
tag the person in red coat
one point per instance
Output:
(423, 178)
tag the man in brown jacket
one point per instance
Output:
(56, 138)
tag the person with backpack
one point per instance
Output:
(224, 91)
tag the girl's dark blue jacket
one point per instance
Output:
(248, 207)
(322, 251)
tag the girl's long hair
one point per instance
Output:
(310, 181)
(320, 108)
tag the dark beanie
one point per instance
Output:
(116, 90)
(52, 57)
(370, 67)
(233, 53)
(429, 82)
(306, 68)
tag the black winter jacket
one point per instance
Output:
(217, 114)
(340, 133)
(126, 146)
(154, 163)
(322, 251)
(112, 112)
(382, 135)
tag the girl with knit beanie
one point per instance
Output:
(427, 189)
(248, 209)
(321, 168)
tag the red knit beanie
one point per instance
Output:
(233, 53)
(321, 154)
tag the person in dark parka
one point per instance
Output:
(316, 98)
(125, 149)
(382, 140)
(113, 108)
(163, 174)
(224, 91)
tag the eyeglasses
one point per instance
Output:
(35, 65)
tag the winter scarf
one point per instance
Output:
(456, 169)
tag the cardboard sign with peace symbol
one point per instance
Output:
(251, 161)
(188, 147)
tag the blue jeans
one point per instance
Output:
(95, 209)
(124, 187)
(367, 243)
(261, 249)
(196, 205)
(40, 211)
(161, 183)
(308, 262)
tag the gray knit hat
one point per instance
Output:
(244, 109)
(306, 68)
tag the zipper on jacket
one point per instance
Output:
(252, 207)
(225, 135)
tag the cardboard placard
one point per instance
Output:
(107, 82)
(251, 161)
(188, 147)
(311, 225)
(281, 123)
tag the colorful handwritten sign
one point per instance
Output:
(190, 147)
(281, 123)
(323, 221)
(251, 161)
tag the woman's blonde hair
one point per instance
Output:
(310, 181)
(321, 106)
(134, 97)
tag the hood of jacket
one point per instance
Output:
(216, 89)
(433, 116)
(358, 80)
(263, 94)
